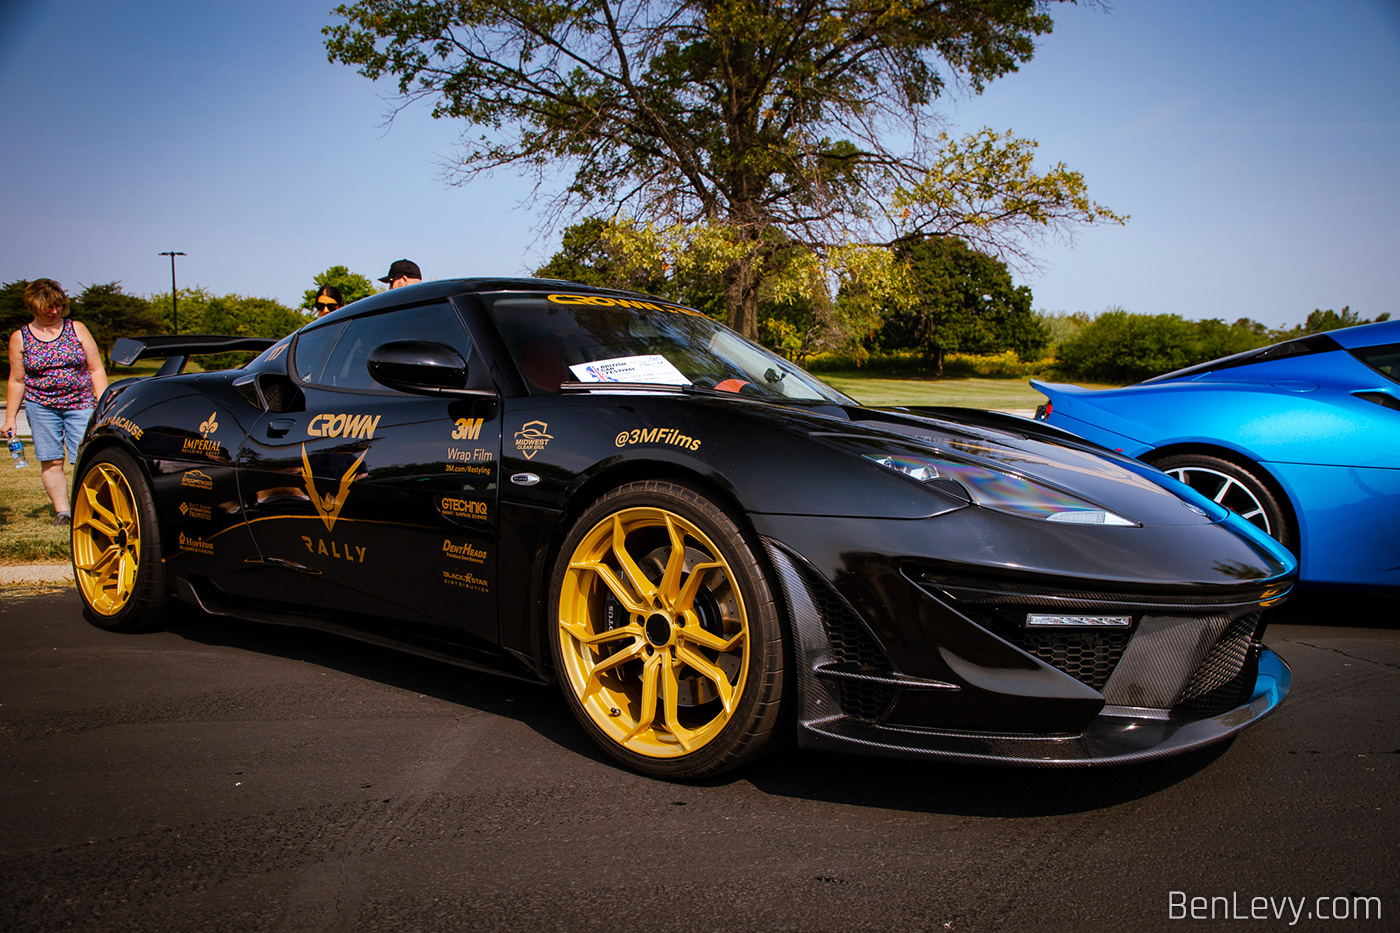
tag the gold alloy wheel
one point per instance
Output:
(653, 632)
(106, 539)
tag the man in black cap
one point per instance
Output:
(403, 272)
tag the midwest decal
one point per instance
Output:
(671, 436)
(531, 438)
(328, 507)
(356, 426)
(467, 429)
(196, 479)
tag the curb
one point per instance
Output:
(32, 574)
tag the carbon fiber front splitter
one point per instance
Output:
(1110, 739)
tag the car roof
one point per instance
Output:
(447, 288)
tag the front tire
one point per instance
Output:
(116, 545)
(1236, 487)
(665, 634)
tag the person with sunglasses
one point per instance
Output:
(328, 299)
(56, 369)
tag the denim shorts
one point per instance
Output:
(54, 429)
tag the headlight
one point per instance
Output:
(999, 490)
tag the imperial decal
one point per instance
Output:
(531, 438)
(328, 507)
(671, 436)
(468, 429)
(202, 444)
(357, 426)
(196, 479)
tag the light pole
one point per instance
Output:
(174, 306)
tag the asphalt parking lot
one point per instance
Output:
(241, 777)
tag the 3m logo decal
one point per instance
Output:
(357, 426)
(531, 438)
(468, 429)
(328, 507)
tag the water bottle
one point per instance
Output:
(17, 451)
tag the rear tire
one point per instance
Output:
(665, 634)
(116, 545)
(1237, 488)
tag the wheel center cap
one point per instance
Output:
(658, 629)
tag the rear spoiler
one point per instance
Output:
(178, 347)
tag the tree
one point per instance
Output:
(761, 128)
(1121, 347)
(237, 315)
(1320, 321)
(110, 314)
(353, 286)
(964, 301)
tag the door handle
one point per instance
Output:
(278, 427)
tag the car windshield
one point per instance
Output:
(572, 338)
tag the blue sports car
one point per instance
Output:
(1302, 438)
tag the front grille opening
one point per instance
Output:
(1087, 656)
(853, 647)
(1222, 680)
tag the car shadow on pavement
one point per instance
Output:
(941, 787)
(537, 706)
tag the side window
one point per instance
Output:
(347, 368)
(311, 350)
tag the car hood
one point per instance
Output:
(1023, 449)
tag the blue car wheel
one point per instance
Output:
(1233, 486)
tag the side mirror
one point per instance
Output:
(420, 366)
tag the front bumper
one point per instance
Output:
(1111, 738)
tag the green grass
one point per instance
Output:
(998, 394)
(27, 532)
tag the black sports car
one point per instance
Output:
(706, 547)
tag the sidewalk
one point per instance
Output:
(21, 420)
(35, 574)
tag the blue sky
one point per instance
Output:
(1254, 142)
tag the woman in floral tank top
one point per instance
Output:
(56, 369)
